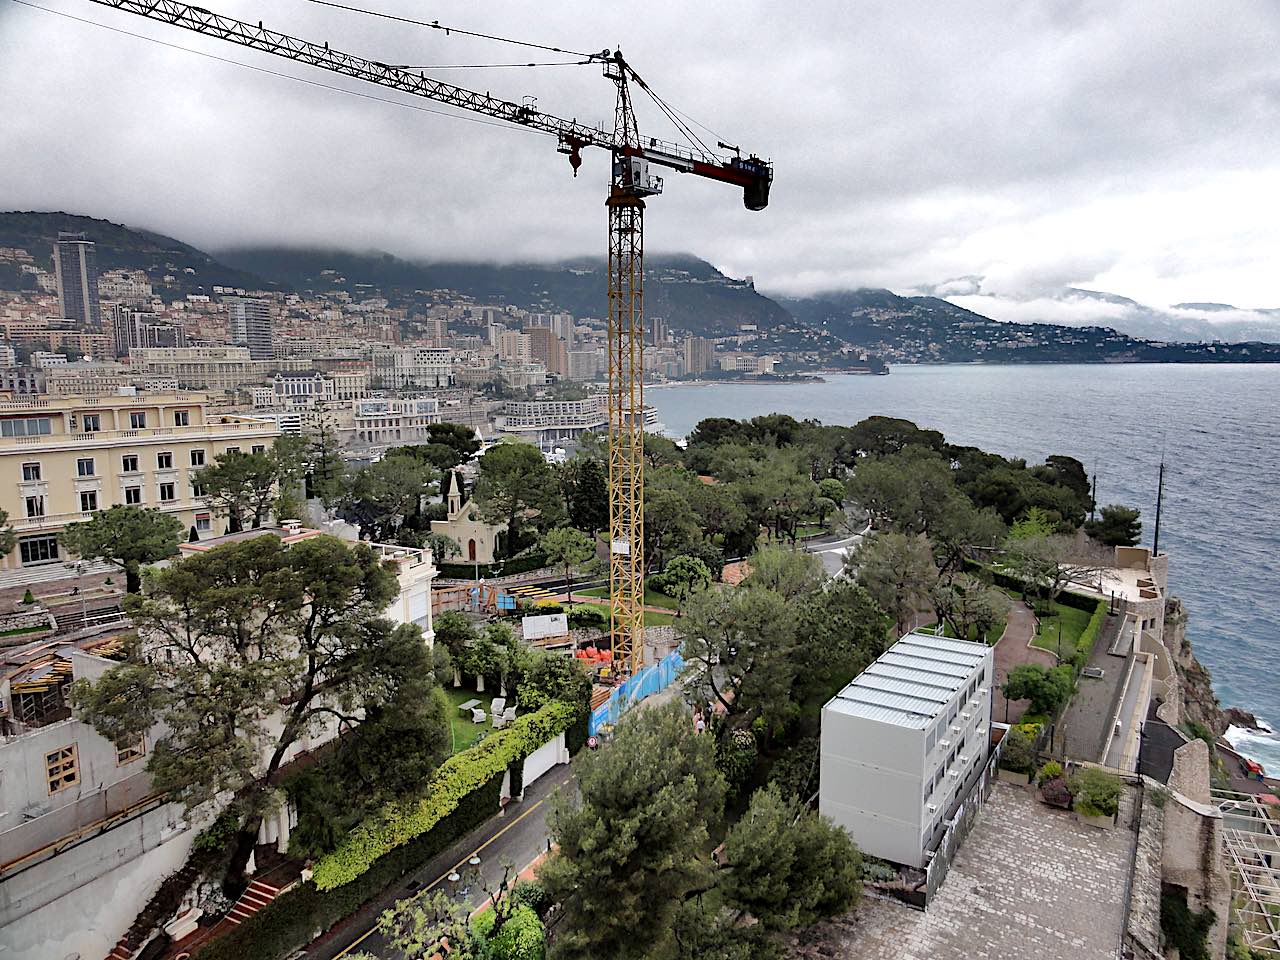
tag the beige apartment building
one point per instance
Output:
(62, 458)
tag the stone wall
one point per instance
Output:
(1193, 856)
(1142, 928)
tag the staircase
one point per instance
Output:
(158, 909)
(257, 895)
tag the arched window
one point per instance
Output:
(471, 549)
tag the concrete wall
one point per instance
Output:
(1193, 855)
(83, 900)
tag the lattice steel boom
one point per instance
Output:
(631, 182)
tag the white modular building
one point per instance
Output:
(904, 744)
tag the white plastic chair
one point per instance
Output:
(478, 715)
(497, 705)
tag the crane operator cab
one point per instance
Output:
(633, 174)
(755, 195)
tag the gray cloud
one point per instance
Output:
(1129, 147)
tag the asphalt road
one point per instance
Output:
(519, 836)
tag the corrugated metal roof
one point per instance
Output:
(912, 682)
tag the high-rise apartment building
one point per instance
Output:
(547, 349)
(75, 264)
(697, 355)
(514, 347)
(135, 328)
(250, 324)
(657, 331)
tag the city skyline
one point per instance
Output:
(1124, 149)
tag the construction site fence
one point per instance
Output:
(652, 679)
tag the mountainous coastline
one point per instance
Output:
(690, 294)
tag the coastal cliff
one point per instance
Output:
(1199, 703)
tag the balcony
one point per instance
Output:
(110, 438)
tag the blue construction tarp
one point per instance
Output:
(646, 683)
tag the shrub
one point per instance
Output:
(1183, 928)
(587, 618)
(522, 937)
(532, 894)
(293, 919)
(1096, 792)
(1019, 755)
(796, 771)
(736, 758)
(875, 870)
(1056, 793)
(1052, 770)
(401, 821)
(1084, 646)
(28, 598)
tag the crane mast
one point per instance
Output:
(631, 182)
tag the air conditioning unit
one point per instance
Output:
(932, 807)
(953, 774)
(944, 744)
(964, 716)
(964, 758)
(955, 730)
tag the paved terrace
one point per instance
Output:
(1029, 882)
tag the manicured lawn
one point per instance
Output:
(465, 733)
(651, 619)
(1072, 622)
(651, 597)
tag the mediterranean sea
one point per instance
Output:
(1217, 427)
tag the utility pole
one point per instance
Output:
(1093, 497)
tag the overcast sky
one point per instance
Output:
(1132, 147)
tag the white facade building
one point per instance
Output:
(903, 744)
(394, 421)
(397, 367)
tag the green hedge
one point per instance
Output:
(297, 917)
(460, 775)
(535, 560)
(1080, 601)
(1090, 635)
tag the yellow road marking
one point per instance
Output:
(438, 880)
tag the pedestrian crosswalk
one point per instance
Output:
(532, 594)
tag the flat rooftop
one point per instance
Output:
(912, 682)
(1125, 583)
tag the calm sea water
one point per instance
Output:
(1216, 426)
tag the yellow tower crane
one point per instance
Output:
(631, 183)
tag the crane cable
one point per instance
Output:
(286, 76)
(437, 25)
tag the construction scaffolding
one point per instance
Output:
(1251, 834)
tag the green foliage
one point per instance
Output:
(126, 536)
(735, 759)
(1051, 770)
(463, 773)
(630, 838)
(240, 486)
(568, 548)
(8, 539)
(683, 577)
(898, 571)
(1183, 928)
(790, 866)
(795, 773)
(1019, 754)
(552, 676)
(292, 920)
(739, 651)
(1118, 526)
(521, 937)
(218, 835)
(385, 495)
(514, 480)
(587, 618)
(1047, 690)
(585, 485)
(532, 894)
(28, 598)
(1096, 792)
